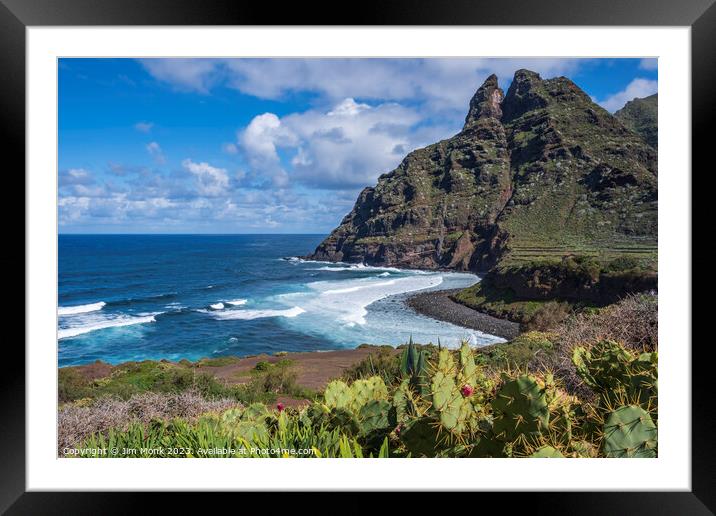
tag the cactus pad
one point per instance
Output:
(520, 408)
(547, 452)
(630, 432)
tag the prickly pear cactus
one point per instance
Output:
(337, 394)
(520, 409)
(629, 432)
(341, 396)
(403, 403)
(315, 415)
(252, 431)
(248, 424)
(584, 449)
(343, 420)
(451, 408)
(547, 452)
(612, 371)
(374, 415)
(363, 391)
(420, 437)
(255, 412)
(467, 374)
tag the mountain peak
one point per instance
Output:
(524, 94)
(542, 167)
(486, 102)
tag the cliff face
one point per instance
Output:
(641, 115)
(541, 171)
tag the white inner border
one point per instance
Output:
(671, 471)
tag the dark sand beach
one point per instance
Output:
(438, 305)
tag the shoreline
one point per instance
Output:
(437, 304)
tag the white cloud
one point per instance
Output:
(75, 176)
(650, 63)
(638, 88)
(442, 84)
(155, 151)
(197, 75)
(143, 127)
(348, 146)
(260, 141)
(348, 107)
(211, 181)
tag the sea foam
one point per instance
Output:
(64, 333)
(258, 314)
(80, 309)
(346, 301)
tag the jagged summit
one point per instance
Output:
(485, 103)
(541, 170)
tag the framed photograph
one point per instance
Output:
(434, 237)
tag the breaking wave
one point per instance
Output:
(80, 309)
(64, 333)
(258, 314)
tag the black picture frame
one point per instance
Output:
(16, 15)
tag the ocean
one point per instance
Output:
(137, 297)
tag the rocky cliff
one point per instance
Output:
(538, 173)
(641, 115)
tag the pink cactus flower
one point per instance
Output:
(467, 390)
(280, 406)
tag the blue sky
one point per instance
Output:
(267, 145)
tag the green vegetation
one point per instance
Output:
(443, 405)
(547, 175)
(263, 384)
(382, 362)
(500, 303)
(518, 353)
(542, 293)
(586, 388)
(641, 116)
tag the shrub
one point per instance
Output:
(548, 316)
(633, 322)
(77, 421)
(262, 365)
(517, 353)
(134, 378)
(71, 385)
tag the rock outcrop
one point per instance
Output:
(537, 172)
(641, 116)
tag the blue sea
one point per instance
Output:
(136, 297)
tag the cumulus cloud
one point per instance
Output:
(143, 127)
(155, 151)
(260, 141)
(347, 146)
(638, 88)
(292, 172)
(211, 181)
